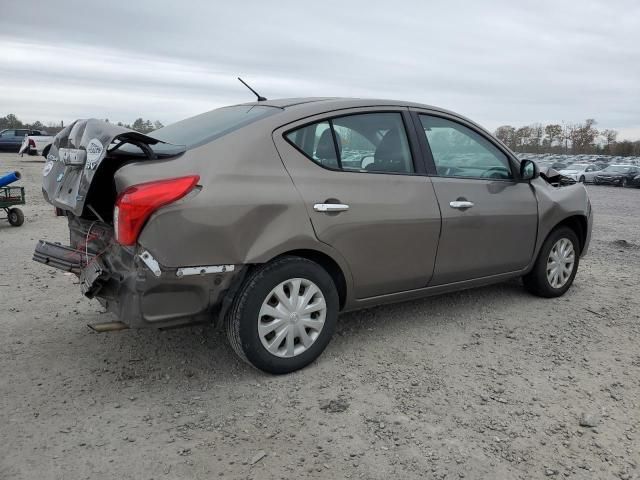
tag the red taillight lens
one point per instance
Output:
(137, 203)
(32, 143)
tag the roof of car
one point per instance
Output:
(343, 102)
(308, 106)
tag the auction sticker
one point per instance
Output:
(94, 151)
(47, 168)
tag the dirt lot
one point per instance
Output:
(489, 383)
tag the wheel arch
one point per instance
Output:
(577, 223)
(329, 264)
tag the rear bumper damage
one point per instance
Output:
(140, 291)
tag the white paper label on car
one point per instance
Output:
(94, 151)
(47, 168)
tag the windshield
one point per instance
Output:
(616, 169)
(206, 127)
(577, 166)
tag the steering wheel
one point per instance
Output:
(496, 172)
(448, 171)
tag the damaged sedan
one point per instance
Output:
(271, 218)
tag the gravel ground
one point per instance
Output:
(488, 383)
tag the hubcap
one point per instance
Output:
(560, 263)
(291, 317)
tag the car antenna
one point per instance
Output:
(260, 97)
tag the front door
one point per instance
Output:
(365, 197)
(489, 218)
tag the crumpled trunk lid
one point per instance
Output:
(77, 153)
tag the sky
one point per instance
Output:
(495, 61)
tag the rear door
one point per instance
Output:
(365, 195)
(489, 218)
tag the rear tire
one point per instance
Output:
(15, 217)
(282, 344)
(541, 280)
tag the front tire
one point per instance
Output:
(284, 315)
(556, 265)
(581, 179)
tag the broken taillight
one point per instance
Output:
(136, 204)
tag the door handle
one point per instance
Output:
(461, 204)
(330, 207)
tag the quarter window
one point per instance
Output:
(369, 142)
(316, 142)
(458, 151)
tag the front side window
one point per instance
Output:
(368, 142)
(458, 151)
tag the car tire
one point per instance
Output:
(624, 183)
(262, 291)
(596, 181)
(15, 217)
(540, 280)
(581, 179)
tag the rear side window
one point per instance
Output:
(368, 142)
(206, 127)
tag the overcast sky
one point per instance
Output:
(497, 62)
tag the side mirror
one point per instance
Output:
(528, 170)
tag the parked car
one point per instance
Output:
(272, 217)
(560, 165)
(36, 144)
(11, 138)
(581, 172)
(619, 175)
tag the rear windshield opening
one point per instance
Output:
(206, 127)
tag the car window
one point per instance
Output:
(458, 151)
(368, 142)
(617, 169)
(207, 127)
(21, 133)
(316, 142)
(375, 142)
(8, 133)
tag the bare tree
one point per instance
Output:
(522, 136)
(536, 136)
(584, 136)
(507, 135)
(609, 136)
(554, 132)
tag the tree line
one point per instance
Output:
(12, 121)
(573, 138)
